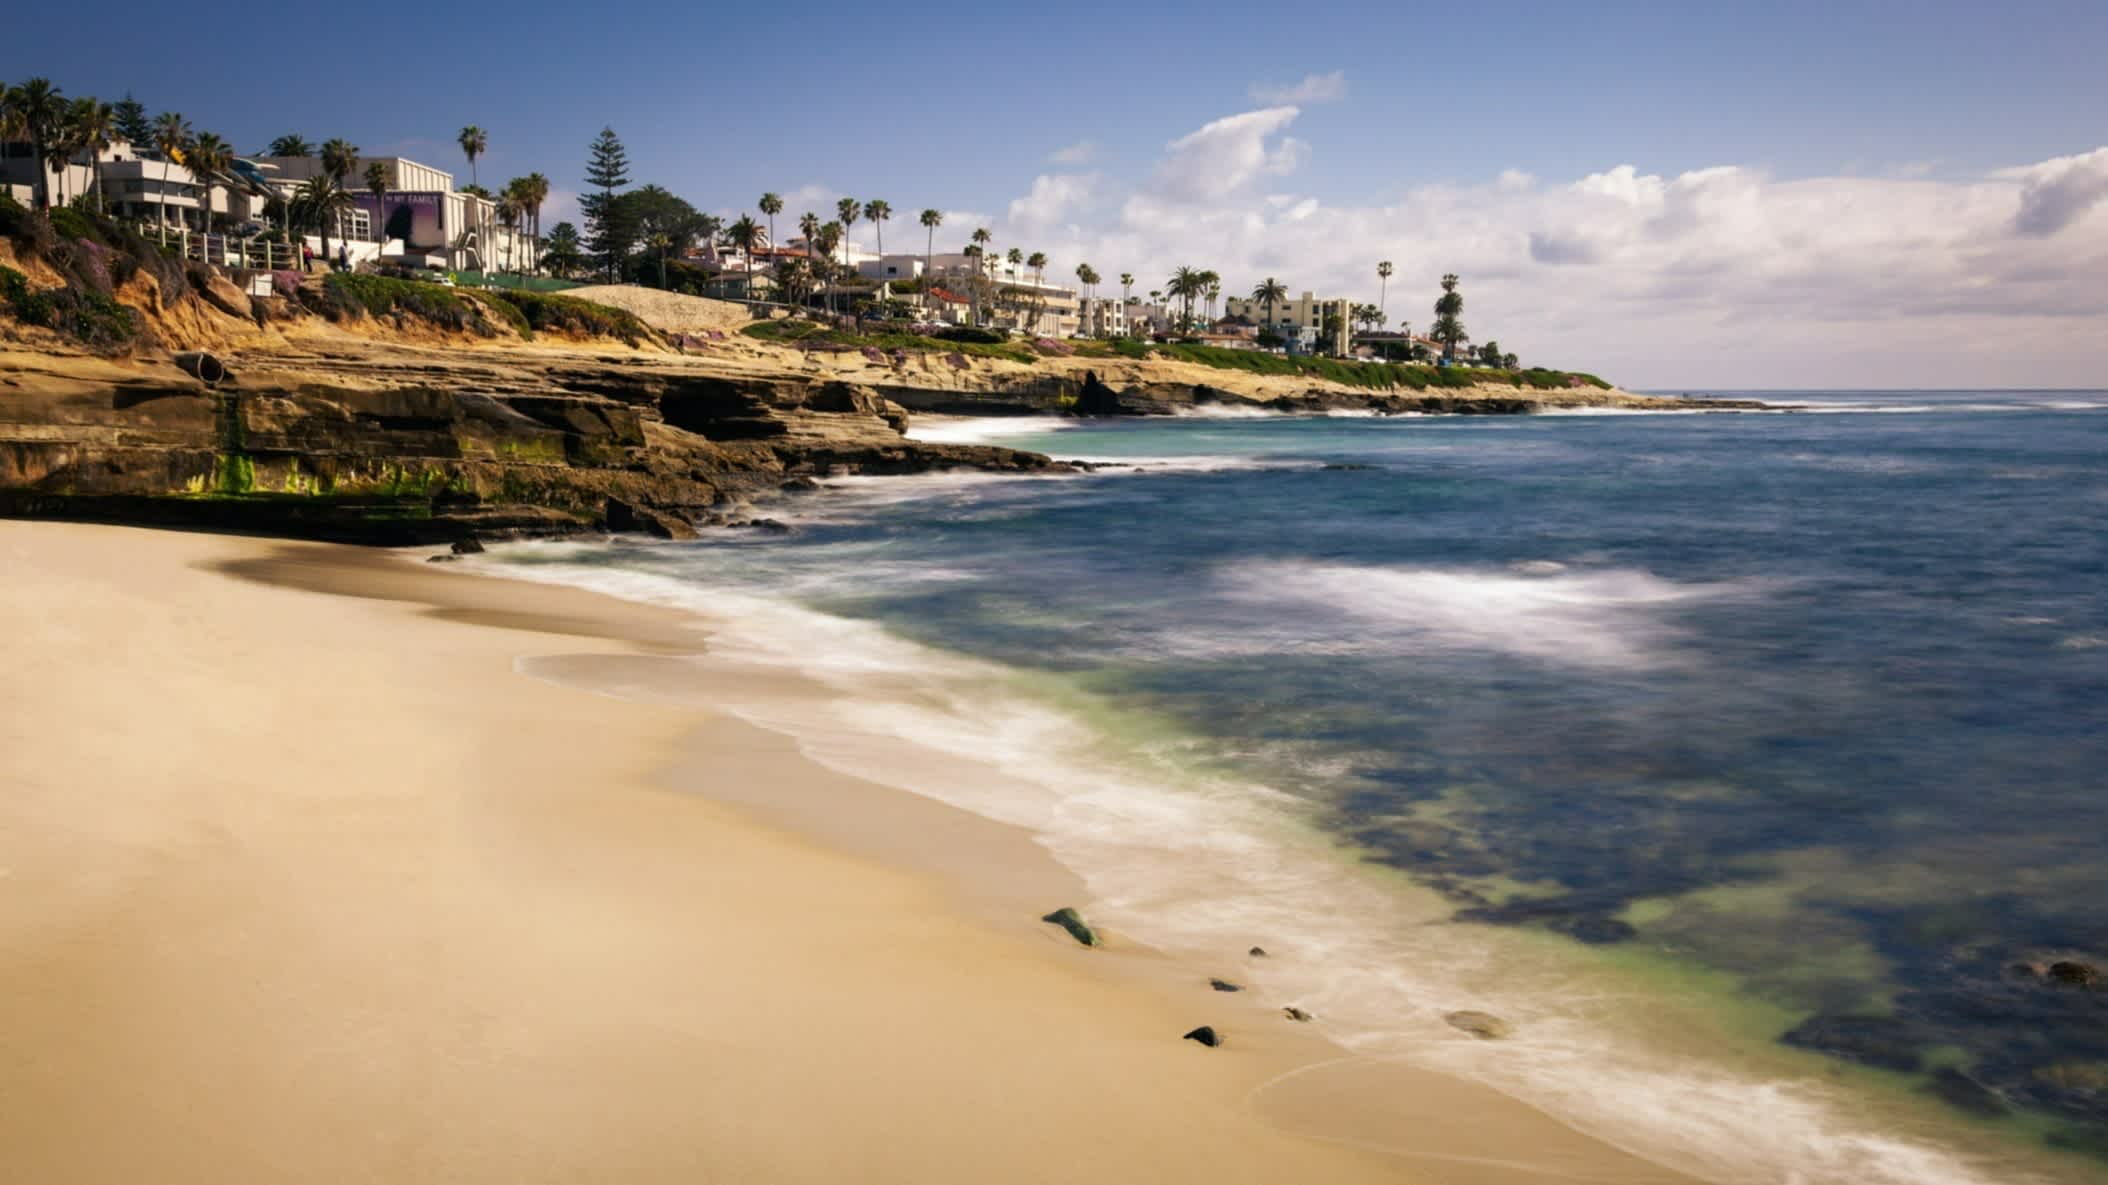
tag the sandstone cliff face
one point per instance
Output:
(402, 444)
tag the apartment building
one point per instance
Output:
(1306, 312)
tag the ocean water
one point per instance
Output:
(1755, 766)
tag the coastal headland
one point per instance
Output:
(364, 409)
(309, 879)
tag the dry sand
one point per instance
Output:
(306, 885)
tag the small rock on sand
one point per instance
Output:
(1294, 1013)
(1258, 952)
(1483, 1025)
(1206, 1035)
(1068, 919)
(1224, 985)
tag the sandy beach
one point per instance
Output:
(302, 879)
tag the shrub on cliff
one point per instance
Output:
(89, 317)
(568, 314)
(347, 294)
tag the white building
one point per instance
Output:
(421, 218)
(133, 186)
(1105, 317)
(892, 267)
(1305, 312)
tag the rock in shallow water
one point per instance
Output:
(2073, 973)
(1483, 1025)
(1068, 919)
(1958, 1089)
(1206, 1035)
(1881, 1041)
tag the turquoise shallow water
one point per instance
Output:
(1815, 705)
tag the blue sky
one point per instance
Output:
(1403, 124)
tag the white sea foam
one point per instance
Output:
(981, 429)
(1542, 610)
(1226, 411)
(1199, 867)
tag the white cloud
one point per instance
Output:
(2059, 191)
(1722, 276)
(1054, 197)
(1314, 88)
(1080, 153)
(1224, 156)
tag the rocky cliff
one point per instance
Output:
(401, 444)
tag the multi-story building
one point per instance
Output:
(135, 186)
(1105, 317)
(437, 225)
(1302, 312)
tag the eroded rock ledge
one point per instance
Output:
(399, 445)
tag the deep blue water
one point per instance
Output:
(1816, 700)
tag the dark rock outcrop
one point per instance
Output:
(1206, 1035)
(409, 445)
(1097, 399)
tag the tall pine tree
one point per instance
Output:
(607, 169)
(132, 122)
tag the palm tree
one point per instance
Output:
(747, 235)
(339, 158)
(771, 205)
(509, 211)
(69, 143)
(1185, 284)
(377, 185)
(832, 235)
(171, 133)
(876, 212)
(1268, 293)
(1127, 286)
(1213, 292)
(974, 251)
(794, 279)
(96, 126)
(847, 211)
(534, 190)
(209, 157)
(809, 226)
(473, 141)
(293, 144)
(1383, 275)
(1447, 328)
(320, 202)
(40, 112)
(931, 220)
